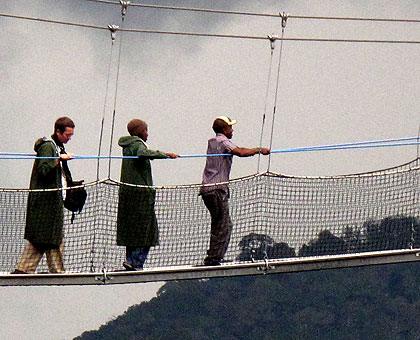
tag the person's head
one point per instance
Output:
(138, 127)
(64, 129)
(223, 124)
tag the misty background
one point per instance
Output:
(328, 93)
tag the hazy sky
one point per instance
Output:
(328, 93)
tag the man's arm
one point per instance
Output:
(142, 151)
(246, 152)
(64, 157)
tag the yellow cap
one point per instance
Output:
(227, 120)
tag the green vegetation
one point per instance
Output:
(378, 302)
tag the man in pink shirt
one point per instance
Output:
(216, 196)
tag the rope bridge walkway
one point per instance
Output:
(281, 223)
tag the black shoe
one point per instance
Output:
(211, 262)
(17, 271)
(130, 267)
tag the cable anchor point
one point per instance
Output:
(284, 17)
(273, 39)
(124, 5)
(104, 278)
(266, 267)
(113, 29)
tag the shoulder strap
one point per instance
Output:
(64, 165)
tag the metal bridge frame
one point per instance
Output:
(288, 265)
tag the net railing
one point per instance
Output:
(274, 216)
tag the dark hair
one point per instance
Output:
(62, 123)
(136, 126)
(219, 125)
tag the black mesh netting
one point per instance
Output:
(274, 216)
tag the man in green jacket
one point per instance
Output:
(137, 227)
(44, 215)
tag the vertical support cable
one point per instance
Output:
(284, 17)
(124, 5)
(272, 47)
(414, 235)
(113, 29)
(413, 243)
(418, 139)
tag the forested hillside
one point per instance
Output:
(377, 302)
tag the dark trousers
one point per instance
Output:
(137, 256)
(216, 202)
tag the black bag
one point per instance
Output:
(75, 198)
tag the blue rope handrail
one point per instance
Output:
(406, 141)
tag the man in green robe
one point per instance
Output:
(137, 227)
(44, 214)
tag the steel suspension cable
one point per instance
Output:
(234, 36)
(255, 37)
(272, 47)
(418, 140)
(123, 13)
(215, 11)
(283, 26)
(354, 19)
(50, 21)
(112, 29)
(214, 35)
(189, 9)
